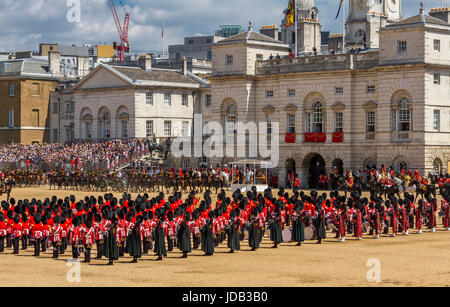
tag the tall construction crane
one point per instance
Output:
(124, 46)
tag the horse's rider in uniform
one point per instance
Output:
(350, 180)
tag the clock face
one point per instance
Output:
(360, 5)
(392, 4)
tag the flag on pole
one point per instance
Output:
(162, 27)
(290, 13)
(339, 10)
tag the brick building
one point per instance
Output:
(25, 87)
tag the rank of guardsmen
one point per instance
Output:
(110, 228)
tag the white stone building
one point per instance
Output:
(385, 106)
(121, 102)
(62, 113)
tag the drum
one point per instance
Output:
(287, 235)
(309, 233)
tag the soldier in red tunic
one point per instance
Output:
(358, 216)
(36, 234)
(432, 208)
(26, 231)
(56, 236)
(2, 232)
(392, 214)
(76, 237)
(171, 231)
(16, 234)
(403, 217)
(377, 220)
(9, 227)
(296, 182)
(419, 216)
(88, 238)
(342, 220)
(445, 210)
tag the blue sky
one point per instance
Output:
(26, 23)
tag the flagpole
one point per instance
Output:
(162, 35)
(343, 28)
(296, 28)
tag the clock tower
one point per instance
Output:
(308, 28)
(393, 10)
(366, 18)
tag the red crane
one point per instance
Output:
(124, 46)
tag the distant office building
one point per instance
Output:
(229, 30)
(196, 47)
(77, 61)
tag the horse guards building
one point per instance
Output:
(383, 102)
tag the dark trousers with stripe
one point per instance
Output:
(87, 254)
(99, 249)
(24, 242)
(75, 251)
(44, 244)
(8, 240)
(55, 250)
(16, 246)
(37, 247)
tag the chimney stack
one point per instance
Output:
(185, 66)
(442, 13)
(145, 62)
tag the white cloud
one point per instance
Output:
(26, 23)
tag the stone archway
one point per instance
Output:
(370, 164)
(86, 122)
(313, 165)
(400, 163)
(104, 123)
(122, 122)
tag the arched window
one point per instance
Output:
(231, 114)
(370, 164)
(105, 125)
(317, 117)
(87, 126)
(123, 119)
(124, 128)
(86, 123)
(402, 165)
(404, 114)
(437, 166)
(230, 119)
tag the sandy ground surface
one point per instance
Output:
(414, 260)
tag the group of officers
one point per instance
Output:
(115, 227)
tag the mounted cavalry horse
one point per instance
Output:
(6, 187)
(423, 189)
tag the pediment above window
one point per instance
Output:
(291, 108)
(269, 109)
(337, 106)
(370, 105)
